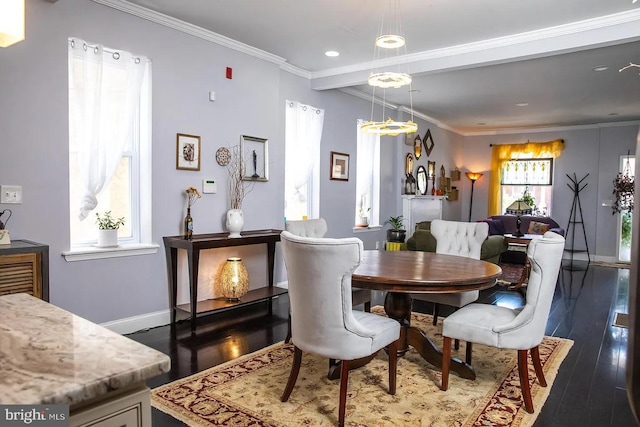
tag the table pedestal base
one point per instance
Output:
(398, 305)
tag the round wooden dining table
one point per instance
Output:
(401, 273)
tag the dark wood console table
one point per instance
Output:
(211, 241)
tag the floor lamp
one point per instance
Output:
(473, 176)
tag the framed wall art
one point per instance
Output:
(339, 166)
(255, 158)
(188, 152)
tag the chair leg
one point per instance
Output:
(446, 363)
(523, 372)
(288, 337)
(436, 311)
(293, 375)
(344, 379)
(456, 344)
(467, 356)
(367, 306)
(393, 366)
(535, 356)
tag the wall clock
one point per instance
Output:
(223, 156)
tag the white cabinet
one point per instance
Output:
(420, 208)
(126, 409)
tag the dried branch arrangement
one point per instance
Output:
(238, 188)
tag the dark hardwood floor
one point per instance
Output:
(589, 390)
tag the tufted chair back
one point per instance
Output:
(322, 319)
(318, 228)
(519, 329)
(459, 238)
(307, 227)
(527, 329)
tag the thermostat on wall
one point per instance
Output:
(209, 186)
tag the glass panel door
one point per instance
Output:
(627, 167)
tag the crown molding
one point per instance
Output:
(363, 95)
(554, 128)
(576, 31)
(579, 29)
(193, 30)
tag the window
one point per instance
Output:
(532, 177)
(303, 132)
(109, 141)
(530, 151)
(367, 176)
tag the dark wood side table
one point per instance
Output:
(24, 267)
(522, 242)
(210, 241)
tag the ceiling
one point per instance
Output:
(471, 62)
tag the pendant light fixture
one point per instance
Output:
(389, 45)
(11, 22)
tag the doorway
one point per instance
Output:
(625, 219)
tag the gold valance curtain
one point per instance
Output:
(503, 152)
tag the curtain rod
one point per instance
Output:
(528, 142)
(115, 54)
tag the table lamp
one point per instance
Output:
(234, 279)
(518, 208)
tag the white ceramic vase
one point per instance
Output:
(107, 238)
(235, 221)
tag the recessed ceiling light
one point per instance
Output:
(522, 104)
(332, 53)
(601, 68)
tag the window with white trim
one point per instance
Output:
(533, 177)
(109, 142)
(303, 133)
(367, 176)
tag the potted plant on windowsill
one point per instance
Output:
(363, 217)
(108, 229)
(397, 233)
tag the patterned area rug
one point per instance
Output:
(246, 391)
(511, 274)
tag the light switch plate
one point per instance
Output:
(10, 194)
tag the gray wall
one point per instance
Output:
(34, 152)
(588, 150)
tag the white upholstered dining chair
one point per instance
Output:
(519, 329)
(323, 321)
(462, 239)
(318, 228)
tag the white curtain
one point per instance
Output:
(103, 104)
(367, 171)
(302, 139)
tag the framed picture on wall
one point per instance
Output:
(339, 166)
(255, 158)
(188, 152)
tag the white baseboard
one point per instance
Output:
(132, 324)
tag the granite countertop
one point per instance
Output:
(48, 355)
